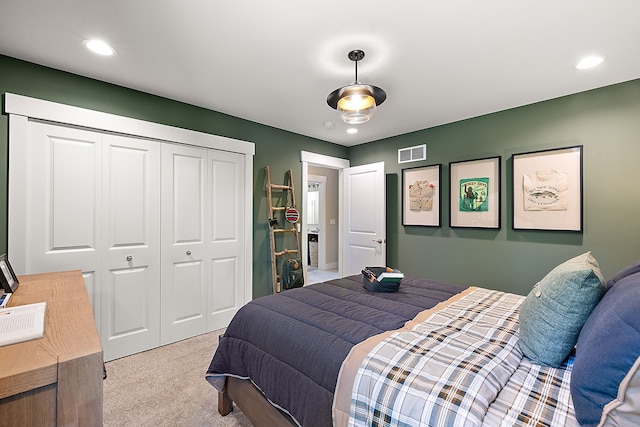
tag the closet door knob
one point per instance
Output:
(129, 257)
(188, 252)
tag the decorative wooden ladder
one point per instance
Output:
(274, 224)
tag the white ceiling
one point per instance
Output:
(275, 62)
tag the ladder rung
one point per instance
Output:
(281, 187)
(278, 208)
(287, 251)
(285, 230)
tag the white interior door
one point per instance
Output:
(63, 203)
(131, 236)
(185, 256)
(363, 205)
(225, 237)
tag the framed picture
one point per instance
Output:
(421, 196)
(474, 188)
(8, 277)
(547, 190)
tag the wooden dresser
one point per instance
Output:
(55, 380)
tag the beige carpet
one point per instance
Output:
(166, 387)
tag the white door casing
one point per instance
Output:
(362, 233)
(308, 158)
(364, 217)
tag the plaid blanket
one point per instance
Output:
(534, 396)
(448, 369)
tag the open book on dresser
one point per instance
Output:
(21, 323)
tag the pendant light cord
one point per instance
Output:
(356, 70)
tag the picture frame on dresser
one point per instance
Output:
(8, 278)
(474, 189)
(421, 196)
(547, 190)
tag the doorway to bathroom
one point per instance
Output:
(322, 224)
(354, 226)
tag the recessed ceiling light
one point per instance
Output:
(588, 62)
(352, 130)
(99, 47)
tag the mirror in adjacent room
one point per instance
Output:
(313, 222)
(313, 205)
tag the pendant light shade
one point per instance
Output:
(357, 102)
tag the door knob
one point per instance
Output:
(188, 252)
(129, 257)
(379, 240)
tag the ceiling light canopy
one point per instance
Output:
(357, 102)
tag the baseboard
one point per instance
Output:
(329, 266)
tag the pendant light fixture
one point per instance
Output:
(357, 102)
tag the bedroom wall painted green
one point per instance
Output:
(606, 121)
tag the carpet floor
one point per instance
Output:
(166, 387)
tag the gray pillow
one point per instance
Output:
(553, 313)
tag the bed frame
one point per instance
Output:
(252, 403)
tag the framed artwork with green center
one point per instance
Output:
(474, 187)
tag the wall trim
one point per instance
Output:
(35, 108)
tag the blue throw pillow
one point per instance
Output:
(553, 313)
(605, 381)
(631, 269)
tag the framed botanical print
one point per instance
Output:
(474, 187)
(547, 190)
(421, 201)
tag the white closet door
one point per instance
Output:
(226, 237)
(185, 263)
(63, 204)
(131, 251)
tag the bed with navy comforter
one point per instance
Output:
(435, 354)
(292, 345)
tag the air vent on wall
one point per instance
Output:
(412, 154)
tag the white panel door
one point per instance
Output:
(364, 219)
(131, 251)
(64, 204)
(185, 257)
(225, 237)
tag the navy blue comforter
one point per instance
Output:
(292, 344)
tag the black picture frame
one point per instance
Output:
(424, 207)
(8, 278)
(484, 208)
(548, 190)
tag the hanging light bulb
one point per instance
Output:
(357, 102)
